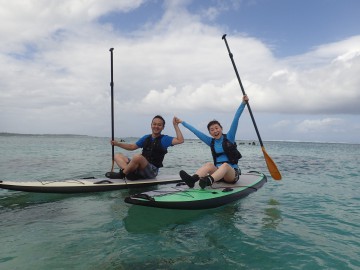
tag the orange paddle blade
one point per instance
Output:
(274, 172)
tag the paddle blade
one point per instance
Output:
(274, 172)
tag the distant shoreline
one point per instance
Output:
(241, 142)
(29, 134)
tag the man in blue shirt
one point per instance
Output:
(146, 165)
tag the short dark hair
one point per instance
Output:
(160, 117)
(213, 122)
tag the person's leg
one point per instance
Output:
(225, 172)
(127, 165)
(137, 162)
(149, 172)
(188, 179)
(121, 160)
(206, 169)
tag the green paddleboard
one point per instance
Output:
(180, 196)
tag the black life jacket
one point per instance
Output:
(230, 150)
(153, 151)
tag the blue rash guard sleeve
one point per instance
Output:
(234, 125)
(218, 143)
(206, 139)
(230, 135)
(140, 142)
(166, 141)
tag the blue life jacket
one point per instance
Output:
(230, 150)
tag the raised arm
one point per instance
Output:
(234, 124)
(179, 137)
(206, 139)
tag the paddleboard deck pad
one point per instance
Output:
(180, 196)
(85, 185)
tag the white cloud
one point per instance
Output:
(26, 22)
(283, 124)
(322, 125)
(56, 68)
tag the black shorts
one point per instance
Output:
(236, 178)
(149, 172)
(237, 175)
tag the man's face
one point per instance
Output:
(157, 125)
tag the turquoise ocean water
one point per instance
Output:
(309, 220)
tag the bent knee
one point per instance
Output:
(225, 165)
(119, 157)
(209, 165)
(138, 157)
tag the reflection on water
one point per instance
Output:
(18, 200)
(272, 216)
(142, 219)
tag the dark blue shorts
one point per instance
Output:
(149, 172)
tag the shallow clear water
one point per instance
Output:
(309, 220)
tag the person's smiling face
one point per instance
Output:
(157, 125)
(215, 131)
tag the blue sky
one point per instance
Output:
(292, 27)
(298, 60)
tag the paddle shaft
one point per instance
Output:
(112, 104)
(275, 173)
(242, 89)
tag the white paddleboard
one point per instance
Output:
(85, 185)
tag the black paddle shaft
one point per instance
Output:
(242, 89)
(112, 100)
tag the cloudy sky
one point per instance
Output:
(299, 62)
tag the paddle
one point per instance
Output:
(269, 162)
(112, 107)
